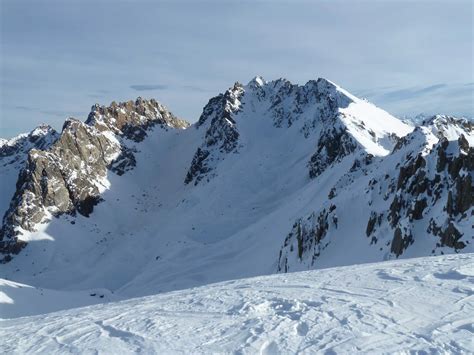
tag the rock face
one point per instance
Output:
(319, 108)
(132, 119)
(14, 150)
(69, 175)
(422, 191)
(221, 134)
(333, 145)
(307, 238)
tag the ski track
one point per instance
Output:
(415, 306)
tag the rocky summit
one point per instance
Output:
(65, 173)
(272, 177)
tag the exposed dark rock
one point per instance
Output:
(442, 158)
(449, 203)
(408, 171)
(395, 210)
(221, 135)
(198, 167)
(124, 162)
(333, 145)
(400, 242)
(308, 235)
(418, 208)
(371, 223)
(464, 194)
(450, 237)
(360, 163)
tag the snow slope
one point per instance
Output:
(422, 305)
(18, 300)
(153, 232)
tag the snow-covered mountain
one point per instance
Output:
(13, 154)
(405, 306)
(273, 177)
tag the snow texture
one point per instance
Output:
(417, 306)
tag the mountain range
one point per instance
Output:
(273, 177)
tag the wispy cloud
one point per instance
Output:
(149, 87)
(411, 92)
(438, 98)
(24, 108)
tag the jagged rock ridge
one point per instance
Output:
(68, 175)
(40, 138)
(322, 111)
(221, 133)
(422, 191)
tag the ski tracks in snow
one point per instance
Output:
(418, 305)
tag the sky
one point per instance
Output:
(59, 57)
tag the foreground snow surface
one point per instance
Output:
(408, 306)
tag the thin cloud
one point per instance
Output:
(149, 87)
(410, 93)
(430, 89)
(453, 99)
(24, 108)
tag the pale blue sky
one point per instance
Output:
(60, 57)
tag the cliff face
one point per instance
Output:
(13, 150)
(132, 119)
(221, 134)
(69, 175)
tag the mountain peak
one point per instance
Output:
(40, 137)
(256, 82)
(451, 128)
(132, 118)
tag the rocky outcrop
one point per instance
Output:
(308, 238)
(333, 145)
(448, 233)
(221, 135)
(16, 149)
(289, 102)
(400, 241)
(319, 110)
(424, 186)
(132, 119)
(421, 186)
(71, 174)
(447, 127)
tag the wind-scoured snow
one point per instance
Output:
(412, 306)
